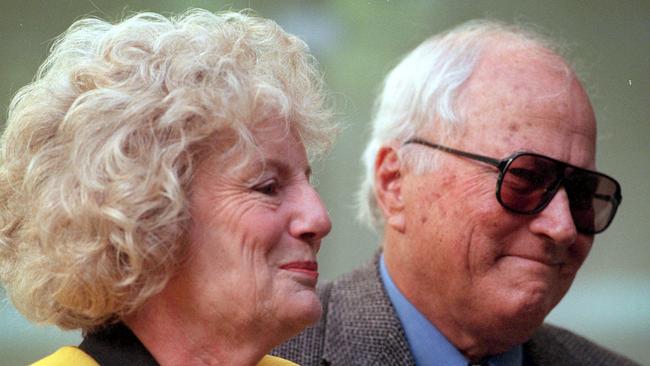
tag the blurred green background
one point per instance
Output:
(357, 42)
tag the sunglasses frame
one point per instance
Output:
(502, 166)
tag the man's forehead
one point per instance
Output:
(525, 68)
(522, 74)
(519, 96)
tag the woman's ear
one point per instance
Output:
(388, 187)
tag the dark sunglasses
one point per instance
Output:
(528, 182)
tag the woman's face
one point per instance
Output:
(255, 232)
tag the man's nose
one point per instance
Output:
(555, 221)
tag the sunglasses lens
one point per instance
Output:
(593, 200)
(528, 183)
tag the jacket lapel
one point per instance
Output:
(362, 326)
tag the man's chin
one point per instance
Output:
(530, 300)
(512, 331)
(516, 317)
(523, 319)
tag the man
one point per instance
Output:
(467, 276)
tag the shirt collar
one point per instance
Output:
(429, 346)
(116, 345)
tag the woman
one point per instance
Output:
(154, 190)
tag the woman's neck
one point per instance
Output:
(175, 337)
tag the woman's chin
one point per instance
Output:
(301, 310)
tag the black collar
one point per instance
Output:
(116, 345)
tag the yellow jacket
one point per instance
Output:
(73, 356)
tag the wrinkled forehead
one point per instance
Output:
(523, 98)
(242, 147)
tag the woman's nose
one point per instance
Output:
(310, 222)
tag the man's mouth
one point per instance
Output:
(542, 260)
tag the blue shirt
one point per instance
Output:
(429, 346)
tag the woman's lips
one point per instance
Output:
(308, 268)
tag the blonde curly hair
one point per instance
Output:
(98, 151)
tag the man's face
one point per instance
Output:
(472, 267)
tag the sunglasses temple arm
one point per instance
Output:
(481, 158)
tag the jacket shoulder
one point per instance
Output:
(359, 325)
(553, 345)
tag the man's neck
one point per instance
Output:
(472, 343)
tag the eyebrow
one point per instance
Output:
(283, 167)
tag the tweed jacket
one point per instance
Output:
(359, 326)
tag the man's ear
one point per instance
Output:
(388, 187)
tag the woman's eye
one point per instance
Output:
(269, 188)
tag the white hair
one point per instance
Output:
(420, 93)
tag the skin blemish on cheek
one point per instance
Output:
(513, 127)
(448, 180)
(442, 213)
